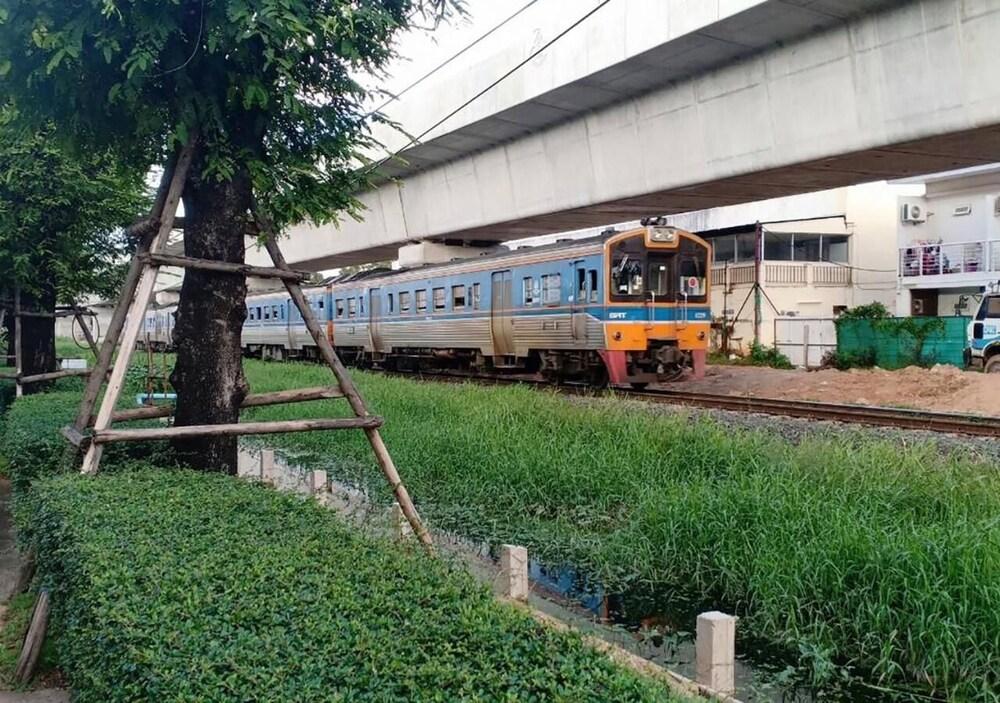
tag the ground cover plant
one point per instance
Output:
(171, 585)
(860, 552)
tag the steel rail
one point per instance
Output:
(901, 418)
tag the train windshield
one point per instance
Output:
(640, 274)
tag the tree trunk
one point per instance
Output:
(38, 337)
(208, 376)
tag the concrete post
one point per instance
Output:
(514, 572)
(715, 649)
(317, 482)
(400, 526)
(267, 464)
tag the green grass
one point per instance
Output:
(851, 550)
(176, 586)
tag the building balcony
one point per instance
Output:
(952, 264)
(790, 274)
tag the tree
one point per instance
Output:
(268, 86)
(61, 237)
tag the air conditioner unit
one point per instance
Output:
(913, 212)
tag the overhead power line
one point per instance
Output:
(450, 59)
(490, 87)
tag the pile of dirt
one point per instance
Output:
(941, 388)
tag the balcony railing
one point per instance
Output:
(969, 259)
(784, 273)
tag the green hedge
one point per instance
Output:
(171, 585)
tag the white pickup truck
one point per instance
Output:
(984, 334)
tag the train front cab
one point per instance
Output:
(657, 319)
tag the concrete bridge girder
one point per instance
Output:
(907, 90)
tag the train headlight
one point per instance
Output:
(662, 235)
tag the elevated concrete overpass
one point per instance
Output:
(714, 103)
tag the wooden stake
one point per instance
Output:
(32, 647)
(134, 308)
(346, 384)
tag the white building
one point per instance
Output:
(949, 241)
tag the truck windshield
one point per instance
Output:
(990, 308)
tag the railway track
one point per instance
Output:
(952, 423)
(902, 418)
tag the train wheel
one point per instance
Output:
(993, 365)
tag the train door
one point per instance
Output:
(375, 318)
(501, 308)
(580, 297)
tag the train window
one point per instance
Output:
(659, 278)
(552, 289)
(476, 292)
(267, 313)
(439, 301)
(252, 316)
(628, 263)
(404, 302)
(352, 307)
(593, 285)
(422, 300)
(581, 285)
(321, 301)
(458, 297)
(390, 303)
(529, 291)
(693, 271)
(340, 307)
(361, 302)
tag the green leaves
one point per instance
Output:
(268, 82)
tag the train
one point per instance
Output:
(625, 308)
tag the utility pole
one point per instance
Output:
(758, 247)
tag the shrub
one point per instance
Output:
(761, 355)
(31, 441)
(180, 586)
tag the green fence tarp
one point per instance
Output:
(895, 349)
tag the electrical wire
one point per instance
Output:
(194, 52)
(488, 88)
(450, 59)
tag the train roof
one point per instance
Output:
(496, 256)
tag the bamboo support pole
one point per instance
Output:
(131, 309)
(18, 358)
(346, 384)
(257, 400)
(225, 267)
(132, 278)
(54, 376)
(88, 335)
(106, 436)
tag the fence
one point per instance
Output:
(896, 342)
(805, 341)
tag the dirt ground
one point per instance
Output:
(941, 388)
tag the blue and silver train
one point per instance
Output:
(627, 308)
